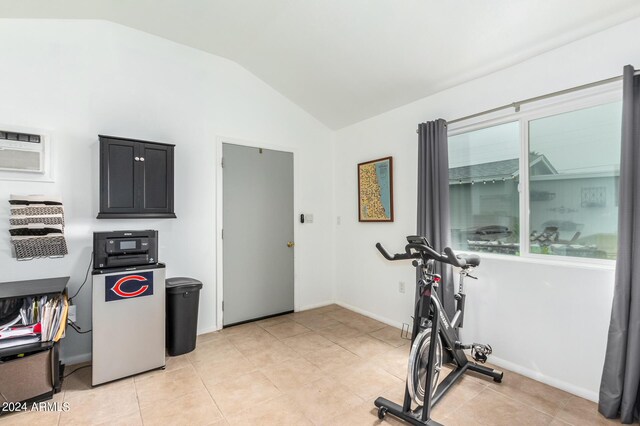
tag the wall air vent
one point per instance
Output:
(20, 137)
(21, 152)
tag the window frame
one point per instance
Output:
(524, 114)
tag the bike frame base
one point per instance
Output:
(407, 416)
(414, 417)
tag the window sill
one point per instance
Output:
(540, 259)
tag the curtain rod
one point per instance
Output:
(518, 104)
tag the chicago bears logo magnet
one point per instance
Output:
(128, 286)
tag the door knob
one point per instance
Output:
(291, 244)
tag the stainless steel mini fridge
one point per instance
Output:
(128, 321)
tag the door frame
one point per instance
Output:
(219, 256)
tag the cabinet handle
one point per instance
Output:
(137, 158)
(141, 158)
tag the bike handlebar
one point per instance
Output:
(397, 256)
(447, 257)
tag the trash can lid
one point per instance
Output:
(182, 284)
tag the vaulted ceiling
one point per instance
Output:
(346, 60)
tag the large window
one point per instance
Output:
(571, 194)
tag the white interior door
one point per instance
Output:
(257, 239)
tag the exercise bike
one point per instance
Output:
(430, 319)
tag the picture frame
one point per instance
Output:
(375, 190)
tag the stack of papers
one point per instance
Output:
(31, 309)
(18, 341)
(19, 335)
(14, 321)
(41, 319)
(53, 317)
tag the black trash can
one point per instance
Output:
(182, 314)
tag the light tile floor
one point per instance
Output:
(325, 366)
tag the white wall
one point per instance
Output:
(83, 78)
(546, 320)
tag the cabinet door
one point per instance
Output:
(119, 174)
(157, 179)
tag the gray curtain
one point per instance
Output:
(433, 199)
(621, 373)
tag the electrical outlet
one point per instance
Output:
(401, 287)
(72, 313)
(338, 220)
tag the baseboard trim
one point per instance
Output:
(303, 308)
(315, 305)
(370, 315)
(206, 330)
(547, 380)
(516, 368)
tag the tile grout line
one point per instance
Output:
(258, 369)
(522, 403)
(468, 401)
(261, 402)
(563, 421)
(564, 404)
(208, 391)
(135, 387)
(63, 392)
(560, 407)
(317, 366)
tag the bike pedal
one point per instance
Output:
(480, 352)
(480, 357)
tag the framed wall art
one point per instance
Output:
(375, 190)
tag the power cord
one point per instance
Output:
(79, 368)
(73, 325)
(77, 328)
(86, 275)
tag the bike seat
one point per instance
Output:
(471, 260)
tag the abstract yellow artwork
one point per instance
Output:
(375, 190)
